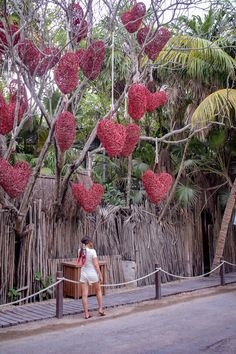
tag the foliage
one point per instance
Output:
(197, 58)
(187, 195)
(113, 196)
(43, 284)
(13, 294)
(220, 105)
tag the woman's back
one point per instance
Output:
(90, 254)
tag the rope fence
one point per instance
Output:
(114, 285)
(158, 270)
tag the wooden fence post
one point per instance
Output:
(222, 272)
(59, 296)
(158, 283)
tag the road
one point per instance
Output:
(198, 325)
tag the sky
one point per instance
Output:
(188, 9)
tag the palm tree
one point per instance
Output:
(199, 67)
(220, 103)
(220, 244)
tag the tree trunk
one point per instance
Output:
(224, 226)
(3, 145)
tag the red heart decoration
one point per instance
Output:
(155, 42)
(80, 32)
(155, 100)
(90, 60)
(48, 59)
(14, 179)
(65, 130)
(156, 187)
(6, 119)
(132, 138)
(133, 18)
(36, 61)
(66, 74)
(18, 92)
(29, 55)
(79, 26)
(112, 136)
(137, 101)
(90, 198)
(3, 39)
(8, 110)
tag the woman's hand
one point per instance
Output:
(100, 278)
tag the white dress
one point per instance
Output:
(88, 272)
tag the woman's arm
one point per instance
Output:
(97, 268)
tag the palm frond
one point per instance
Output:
(220, 104)
(196, 58)
(186, 195)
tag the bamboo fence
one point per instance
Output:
(119, 234)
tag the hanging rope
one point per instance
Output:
(156, 153)
(112, 71)
(126, 107)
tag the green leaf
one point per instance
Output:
(45, 171)
(221, 103)
(216, 138)
(187, 195)
(196, 58)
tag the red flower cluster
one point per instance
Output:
(156, 187)
(90, 198)
(37, 62)
(66, 74)
(3, 39)
(79, 26)
(48, 60)
(6, 124)
(112, 136)
(65, 130)
(137, 101)
(153, 42)
(140, 100)
(132, 137)
(132, 19)
(91, 59)
(8, 110)
(14, 179)
(155, 100)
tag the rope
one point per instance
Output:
(191, 277)
(232, 264)
(112, 71)
(118, 284)
(132, 281)
(156, 152)
(155, 271)
(59, 280)
(28, 297)
(69, 280)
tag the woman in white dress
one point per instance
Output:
(90, 274)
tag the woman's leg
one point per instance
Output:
(99, 297)
(84, 287)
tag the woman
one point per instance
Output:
(90, 274)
